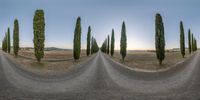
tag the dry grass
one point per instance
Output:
(50, 54)
(45, 67)
(148, 60)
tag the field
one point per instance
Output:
(54, 62)
(147, 60)
(58, 61)
(50, 55)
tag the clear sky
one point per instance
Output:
(102, 15)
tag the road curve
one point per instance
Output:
(152, 82)
(101, 78)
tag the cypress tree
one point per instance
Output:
(96, 47)
(88, 41)
(108, 46)
(189, 41)
(123, 41)
(159, 38)
(77, 39)
(103, 47)
(182, 39)
(192, 44)
(112, 42)
(196, 48)
(92, 48)
(4, 44)
(16, 37)
(39, 34)
(8, 40)
(195, 44)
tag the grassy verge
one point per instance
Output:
(147, 60)
(60, 65)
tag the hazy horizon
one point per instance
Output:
(102, 15)
(115, 49)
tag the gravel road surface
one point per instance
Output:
(101, 78)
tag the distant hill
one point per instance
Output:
(56, 49)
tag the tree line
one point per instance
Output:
(108, 47)
(6, 45)
(39, 38)
(92, 46)
(159, 41)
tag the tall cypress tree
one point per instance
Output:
(195, 44)
(95, 46)
(189, 41)
(192, 44)
(104, 45)
(182, 39)
(77, 39)
(88, 41)
(39, 34)
(4, 46)
(123, 42)
(108, 46)
(112, 42)
(159, 38)
(92, 48)
(8, 40)
(16, 37)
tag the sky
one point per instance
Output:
(102, 16)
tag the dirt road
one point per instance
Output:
(101, 78)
